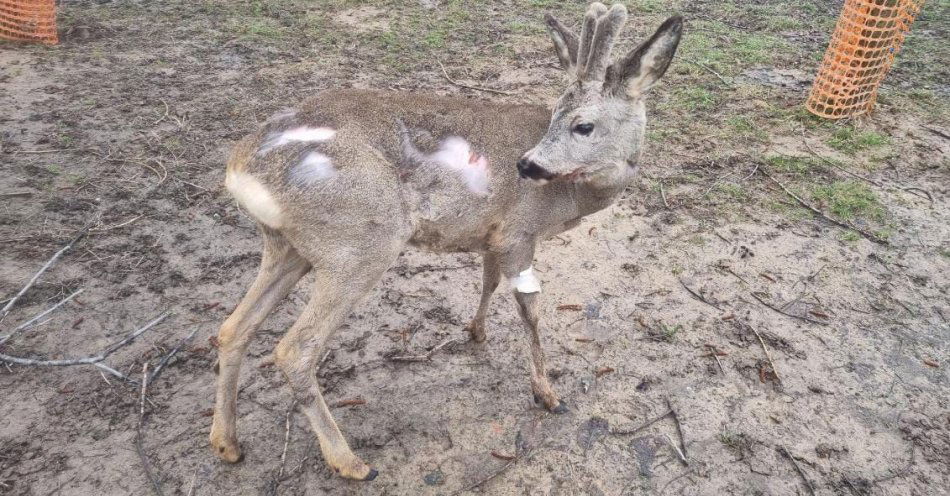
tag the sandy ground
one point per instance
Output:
(125, 127)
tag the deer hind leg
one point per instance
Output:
(281, 268)
(334, 295)
(491, 274)
(527, 291)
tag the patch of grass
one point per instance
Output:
(849, 200)
(745, 127)
(694, 98)
(668, 332)
(733, 192)
(755, 48)
(794, 165)
(851, 141)
(850, 236)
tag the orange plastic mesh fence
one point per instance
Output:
(28, 20)
(868, 35)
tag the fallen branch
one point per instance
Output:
(139, 435)
(846, 225)
(783, 312)
(27, 324)
(91, 360)
(428, 356)
(49, 263)
(811, 488)
(479, 88)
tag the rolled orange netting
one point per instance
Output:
(28, 20)
(867, 37)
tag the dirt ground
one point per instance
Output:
(667, 300)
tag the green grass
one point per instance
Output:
(849, 200)
(851, 141)
(693, 98)
(794, 165)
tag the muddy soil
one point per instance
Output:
(790, 355)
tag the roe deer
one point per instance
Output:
(341, 185)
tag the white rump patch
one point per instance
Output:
(314, 167)
(526, 282)
(301, 134)
(456, 153)
(254, 197)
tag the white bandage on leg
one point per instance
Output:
(525, 282)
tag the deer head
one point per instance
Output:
(597, 128)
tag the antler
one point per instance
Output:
(589, 55)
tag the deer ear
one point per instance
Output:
(645, 65)
(565, 43)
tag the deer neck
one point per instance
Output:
(601, 190)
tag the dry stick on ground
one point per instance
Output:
(679, 430)
(708, 69)
(715, 354)
(479, 88)
(679, 454)
(283, 454)
(663, 195)
(428, 356)
(164, 361)
(783, 312)
(697, 295)
(833, 164)
(27, 324)
(811, 488)
(139, 435)
(846, 225)
(49, 263)
(91, 360)
(765, 349)
(621, 432)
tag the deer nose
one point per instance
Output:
(528, 169)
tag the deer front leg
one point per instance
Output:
(491, 274)
(527, 291)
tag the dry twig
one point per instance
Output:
(765, 349)
(428, 356)
(49, 263)
(698, 296)
(283, 454)
(846, 225)
(166, 358)
(679, 430)
(622, 432)
(479, 88)
(91, 360)
(663, 195)
(27, 324)
(783, 312)
(811, 488)
(139, 435)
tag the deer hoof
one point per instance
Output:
(230, 453)
(560, 409)
(477, 332)
(371, 475)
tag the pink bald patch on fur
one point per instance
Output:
(457, 154)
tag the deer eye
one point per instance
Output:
(584, 129)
